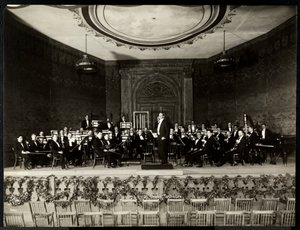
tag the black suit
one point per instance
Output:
(55, 148)
(86, 126)
(112, 156)
(18, 148)
(37, 146)
(164, 132)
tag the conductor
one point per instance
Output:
(163, 133)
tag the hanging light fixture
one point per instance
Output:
(224, 61)
(85, 65)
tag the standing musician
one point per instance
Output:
(86, 146)
(163, 132)
(86, 124)
(254, 154)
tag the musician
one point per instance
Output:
(86, 146)
(66, 131)
(41, 138)
(62, 138)
(229, 141)
(86, 124)
(99, 147)
(130, 143)
(73, 155)
(21, 150)
(235, 132)
(238, 148)
(229, 127)
(56, 150)
(112, 156)
(123, 119)
(140, 143)
(265, 135)
(220, 137)
(108, 125)
(208, 148)
(197, 146)
(147, 135)
(186, 140)
(163, 132)
(253, 138)
(176, 129)
(34, 146)
(116, 136)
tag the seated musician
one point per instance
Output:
(197, 146)
(147, 135)
(112, 155)
(186, 140)
(56, 150)
(131, 143)
(73, 154)
(229, 141)
(116, 136)
(140, 143)
(239, 148)
(66, 131)
(21, 150)
(86, 146)
(108, 125)
(41, 138)
(253, 138)
(35, 146)
(176, 129)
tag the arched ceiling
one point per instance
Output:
(126, 32)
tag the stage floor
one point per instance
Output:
(135, 170)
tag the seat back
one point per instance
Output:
(66, 220)
(205, 218)
(106, 206)
(172, 148)
(151, 205)
(129, 205)
(62, 206)
(291, 203)
(148, 148)
(82, 206)
(14, 220)
(199, 204)
(243, 204)
(288, 218)
(262, 218)
(37, 207)
(43, 220)
(222, 204)
(270, 204)
(234, 218)
(175, 205)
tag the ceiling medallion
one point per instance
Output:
(152, 27)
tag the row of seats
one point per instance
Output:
(80, 213)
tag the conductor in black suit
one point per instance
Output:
(86, 123)
(163, 132)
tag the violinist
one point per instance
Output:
(73, 155)
(148, 136)
(197, 146)
(86, 146)
(112, 155)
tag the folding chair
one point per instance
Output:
(291, 204)
(246, 205)
(41, 217)
(234, 218)
(262, 218)
(107, 208)
(99, 157)
(130, 206)
(197, 205)
(205, 218)
(221, 205)
(65, 216)
(172, 151)
(14, 220)
(18, 159)
(270, 204)
(149, 216)
(287, 218)
(176, 216)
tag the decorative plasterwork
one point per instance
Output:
(135, 27)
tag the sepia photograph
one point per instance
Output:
(149, 115)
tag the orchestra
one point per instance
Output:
(118, 144)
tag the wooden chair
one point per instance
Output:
(97, 157)
(197, 205)
(149, 216)
(221, 205)
(14, 220)
(65, 216)
(172, 151)
(176, 216)
(287, 218)
(18, 159)
(270, 204)
(107, 208)
(205, 218)
(246, 205)
(82, 207)
(148, 151)
(40, 216)
(291, 204)
(128, 205)
(234, 218)
(262, 218)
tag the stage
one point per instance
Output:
(135, 170)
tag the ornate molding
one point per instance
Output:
(88, 18)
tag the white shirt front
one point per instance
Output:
(263, 134)
(158, 127)
(87, 123)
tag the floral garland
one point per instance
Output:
(184, 188)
